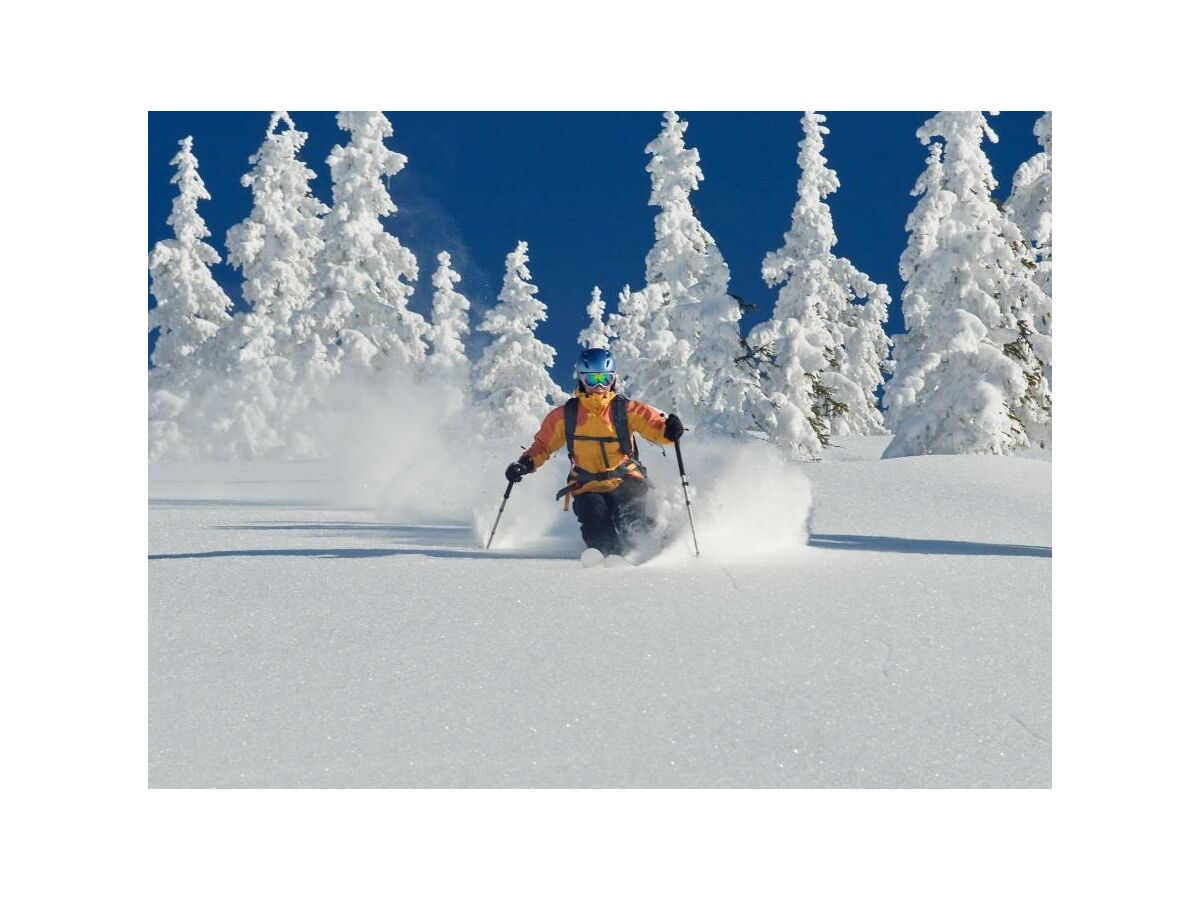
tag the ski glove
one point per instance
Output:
(674, 429)
(518, 470)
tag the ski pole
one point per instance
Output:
(687, 501)
(503, 503)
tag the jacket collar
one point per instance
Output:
(595, 403)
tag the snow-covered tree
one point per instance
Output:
(967, 379)
(693, 340)
(627, 327)
(190, 307)
(734, 402)
(1029, 206)
(790, 356)
(364, 275)
(448, 355)
(825, 343)
(512, 375)
(596, 334)
(868, 352)
(275, 247)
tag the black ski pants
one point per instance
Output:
(611, 521)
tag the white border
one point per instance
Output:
(75, 163)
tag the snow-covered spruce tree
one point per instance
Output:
(364, 275)
(275, 247)
(966, 378)
(734, 402)
(447, 356)
(677, 261)
(1029, 206)
(689, 359)
(190, 306)
(627, 327)
(827, 363)
(512, 375)
(596, 334)
(868, 350)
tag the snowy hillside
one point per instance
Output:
(300, 640)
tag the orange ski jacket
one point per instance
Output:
(597, 457)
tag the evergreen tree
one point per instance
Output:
(790, 355)
(692, 332)
(190, 306)
(448, 355)
(868, 353)
(597, 333)
(734, 402)
(275, 247)
(1029, 207)
(512, 375)
(667, 374)
(967, 380)
(364, 275)
(627, 327)
(827, 366)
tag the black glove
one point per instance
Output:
(518, 470)
(674, 429)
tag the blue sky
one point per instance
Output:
(574, 186)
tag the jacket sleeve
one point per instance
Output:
(549, 438)
(647, 421)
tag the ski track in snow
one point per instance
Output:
(296, 643)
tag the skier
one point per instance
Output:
(607, 482)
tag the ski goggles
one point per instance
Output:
(597, 379)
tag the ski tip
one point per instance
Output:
(590, 558)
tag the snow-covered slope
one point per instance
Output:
(296, 640)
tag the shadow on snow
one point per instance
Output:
(363, 553)
(441, 541)
(877, 544)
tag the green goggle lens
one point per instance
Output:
(598, 379)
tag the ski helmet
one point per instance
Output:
(596, 361)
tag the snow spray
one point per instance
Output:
(750, 503)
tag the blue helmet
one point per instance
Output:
(596, 361)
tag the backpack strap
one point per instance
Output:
(570, 417)
(620, 420)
